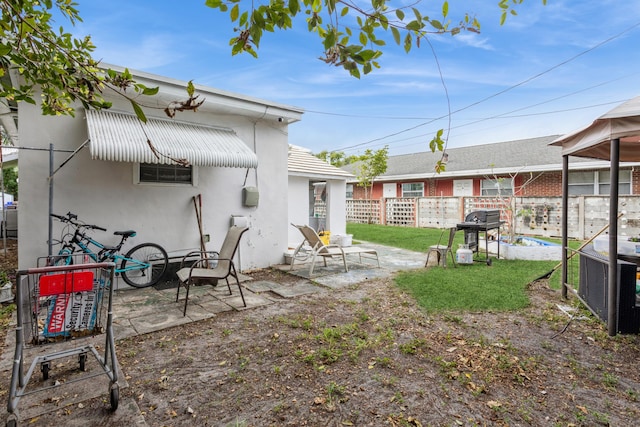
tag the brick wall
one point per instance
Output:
(635, 181)
(545, 184)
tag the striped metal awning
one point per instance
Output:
(121, 137)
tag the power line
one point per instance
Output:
(527, 80)
(502, 116)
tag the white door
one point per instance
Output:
(462, 187)
(389, 190)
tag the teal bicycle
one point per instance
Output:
(143, 266)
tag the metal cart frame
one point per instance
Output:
(71, 300)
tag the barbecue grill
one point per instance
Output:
(481, 221)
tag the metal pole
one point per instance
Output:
(4, 211)
(565, 222)
(612, 295)
(50, 218)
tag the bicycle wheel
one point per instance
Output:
(64, 257)
(144, 265)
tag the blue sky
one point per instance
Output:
(549, 70)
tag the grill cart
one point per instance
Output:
(481, 221)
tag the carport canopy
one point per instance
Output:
(614, 136)
(122, 137)
(594, 141)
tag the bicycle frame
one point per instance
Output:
(82, 241)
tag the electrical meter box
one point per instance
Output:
(250, 196)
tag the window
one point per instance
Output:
(493, 187)
(349, 191)
(624, 182)
(581, 182)
(167, 174)
(413, 189)
(597, 182)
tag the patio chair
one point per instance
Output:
(441, 251)
(317, 248)
(200, 272)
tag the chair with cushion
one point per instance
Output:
(441, 251)
(317, 248)
(199, 270)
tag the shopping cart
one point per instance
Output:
(62, 306)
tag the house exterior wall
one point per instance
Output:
(541, 184)
(298, 208)
(336, 220)
(104, 193)
(336, 206)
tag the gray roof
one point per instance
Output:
(302, 163)
(524, 155)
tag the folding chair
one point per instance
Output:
(199, 270)
(441, 251)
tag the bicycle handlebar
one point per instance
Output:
(71, 219)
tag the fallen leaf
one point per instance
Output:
(583, 409)
(451, 349)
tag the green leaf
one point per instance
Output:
(294, 7)
(213, 3)
(400, 14)
(4, 49)
(235, 13)
(345, 11)
(190, 88)
(363, 38)
(414, 26)
(244, 18)
(396, 35)
(329, 40)
(445, 8)
(138, 110)
(150, 91)
(407, 43)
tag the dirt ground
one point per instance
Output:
(369, 356)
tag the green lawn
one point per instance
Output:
(475, 287)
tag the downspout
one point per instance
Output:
(612, 295)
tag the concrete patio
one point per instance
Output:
(140, 311)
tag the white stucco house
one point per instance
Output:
(105, 172)
(317, 194)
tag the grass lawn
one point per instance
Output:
(476, 287)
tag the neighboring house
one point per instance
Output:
(316, 194)
(233, 143)
(531, 167)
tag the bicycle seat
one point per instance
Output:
(127, 233)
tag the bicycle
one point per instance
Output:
(143, 266)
